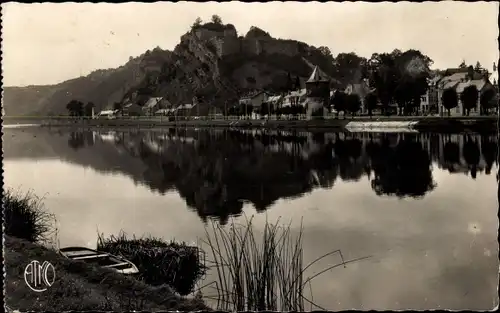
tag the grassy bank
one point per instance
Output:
(78, 285)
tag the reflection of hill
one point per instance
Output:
(217, 171)
(41, 143)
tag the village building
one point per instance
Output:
(131, 109)
(108, 114)
(318, 92)
(154, 104)
(185, 110)
(460, 81)
(429, 102)
(165, 112)
(254, 99)
(295, 98)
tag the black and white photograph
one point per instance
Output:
(250, 156)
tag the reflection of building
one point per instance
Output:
(461, 165)
(318, 95)
(273, 164)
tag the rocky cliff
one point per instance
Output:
(211, 63)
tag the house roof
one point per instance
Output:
(186, 106)
(316, 76)
(450, 84)
(152, 102)
(274, 98)
(105, 112)
(130, 104)
(479, 83)
(253, 94)
(434, 80)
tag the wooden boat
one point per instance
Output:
(99, 258)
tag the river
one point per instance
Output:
(423, 207)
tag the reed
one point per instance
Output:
(25, 217)
(267, 273)
(175, 264)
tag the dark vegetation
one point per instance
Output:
(25, 217)
(175, 264)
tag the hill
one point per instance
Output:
(211, 63)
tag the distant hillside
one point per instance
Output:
(211, 62)
(103, 87)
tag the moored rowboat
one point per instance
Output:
(99, 258)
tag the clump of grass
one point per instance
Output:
(25, 217)
(175, 264)
(267, 274)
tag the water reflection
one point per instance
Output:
(216, 172)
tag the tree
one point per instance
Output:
(216, 19)
(487, 101)
(462, 65)
(383, 76)
(371, 102)
(353, 103)
(470, 72)
(469, 98)
(349, 67)
(297, 83)
(339, 102)
(449, 99)
(75, 108)
(117, 106)
(197, 22)
(325, 51)
(478, 66)
(412, 74)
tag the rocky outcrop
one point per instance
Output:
(211, 63)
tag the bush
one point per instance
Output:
(175, 264)
(26, 218)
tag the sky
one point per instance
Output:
(47, 43)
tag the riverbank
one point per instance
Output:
(80, 286)
(420, 123)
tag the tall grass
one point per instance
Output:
(175, 264)
(265, 274)
(25, 217)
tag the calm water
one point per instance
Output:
(424, 206)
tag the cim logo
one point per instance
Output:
(38, 276)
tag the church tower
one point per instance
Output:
(318, 95)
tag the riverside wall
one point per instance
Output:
(433, 124)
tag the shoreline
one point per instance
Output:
(417, 123)
(80, 286)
